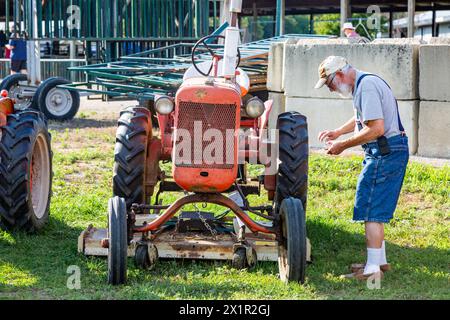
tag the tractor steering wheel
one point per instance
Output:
(202, 42)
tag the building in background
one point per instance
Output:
(423, 23)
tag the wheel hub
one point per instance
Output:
(58, 101)
(16, 92)
(40, 176)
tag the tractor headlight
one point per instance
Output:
(254, 107)
(164, 105)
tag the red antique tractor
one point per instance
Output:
(25, 167)
(209, 131)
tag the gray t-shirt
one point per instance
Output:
(374, 100)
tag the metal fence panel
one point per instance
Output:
(51, 68)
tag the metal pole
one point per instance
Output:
(433, 20)
(255, 21)
(345, 14)
(7, 17)
(411, 15)
(391, 31)
(279, 30)
(33, 47)
(225, 12)
(16, 16)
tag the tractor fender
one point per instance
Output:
(165, 122)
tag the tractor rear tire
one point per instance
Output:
(133, 134)
(292, 178)
(11, 84)
(56, 103)
(118, 243)
(25, 171)
(292, 246)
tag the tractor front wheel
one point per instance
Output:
(25, 171)
(292, 245)
(292, 178)
(118, 243)
(130, 155)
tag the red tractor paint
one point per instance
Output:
(210, 133)
(6, 107)
(200, 107)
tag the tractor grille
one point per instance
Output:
(200, 117)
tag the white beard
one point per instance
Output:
(344, 90)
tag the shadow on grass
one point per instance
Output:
(416, 272)
(42, 261)
(82, 123)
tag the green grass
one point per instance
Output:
(35, 266)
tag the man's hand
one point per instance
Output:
(329, 135)
(335, 147)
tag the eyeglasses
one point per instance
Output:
(328, 83)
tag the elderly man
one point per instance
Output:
(378, 129)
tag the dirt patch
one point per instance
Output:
(73, 139)
(85, 171)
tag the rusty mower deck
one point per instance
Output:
(189, 245)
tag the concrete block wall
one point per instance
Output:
(275, 67)
(396, 63)
(322, 114)
(424, 98)
(439, 40)
(326, 114)
(434, 129)
(279, 106)
(275, 70)
(434, 66)
(434, 85)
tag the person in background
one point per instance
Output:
(349, 30)
(3, 42)
(18, 49)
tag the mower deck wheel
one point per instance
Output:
(292, 246)
(146, 256)
(239, 260)
(118, 245)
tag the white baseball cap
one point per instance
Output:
(329, 66)
(348, 25)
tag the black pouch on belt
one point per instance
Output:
(383, 145)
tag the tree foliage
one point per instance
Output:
(329, 24)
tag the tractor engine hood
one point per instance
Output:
(207, 120)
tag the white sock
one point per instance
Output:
(373, 260)
(383, 255)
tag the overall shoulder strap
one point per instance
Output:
(400, 126)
